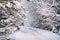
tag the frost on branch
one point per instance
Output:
(43, 13)
(11, 12)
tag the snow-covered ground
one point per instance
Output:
(34, 34)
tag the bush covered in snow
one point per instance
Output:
(43, 13)
(11, 12)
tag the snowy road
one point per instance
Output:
(38, 34)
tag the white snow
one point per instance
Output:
(18, 4)
(35, 34)
(9, 5)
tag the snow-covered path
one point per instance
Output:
(36, 34)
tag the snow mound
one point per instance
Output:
(35, 34)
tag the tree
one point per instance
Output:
(11, 12)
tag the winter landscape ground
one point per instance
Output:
(35, 34)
